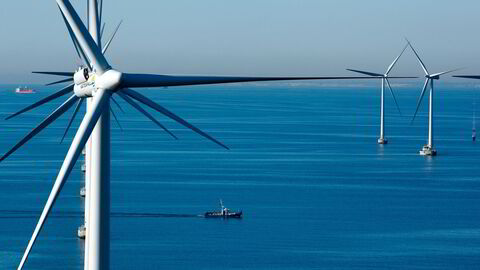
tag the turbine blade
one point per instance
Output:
(61, 81)
(111, 38)
(88, 15)
(100, 13)
(365, 72)
(81, 137)
(393, 95)
(58, 94)
(80, 52)
(47, 121)
(420, 98)
(72, 36)
(171, 115)
(476, 77)
(102, 31)
(72, 118)
(118, 105)
(144, 112)
(66, 74)
(85, 40)
(445, 72)
(116, 119)
(418, 58)
(395, 61)
(130, 80)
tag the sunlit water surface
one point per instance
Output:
(316, 189)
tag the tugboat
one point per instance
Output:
(223, 213)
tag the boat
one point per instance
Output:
(223, 213)
(24, 90)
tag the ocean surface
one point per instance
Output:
(316, 189)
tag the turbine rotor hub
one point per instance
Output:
(109, 80)
(88, 85)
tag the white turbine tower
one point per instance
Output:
(427, 150)
(384, 78)
(98, 82)
(94, 20)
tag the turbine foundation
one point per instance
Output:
(81, 232)
(382, 141)
(428, 151)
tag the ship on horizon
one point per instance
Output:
(24, 90)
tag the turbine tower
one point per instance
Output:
(428, 149)
(97, 180)
(384, 78)
(99, 82)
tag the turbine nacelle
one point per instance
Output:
(81, 76)
(87, 84)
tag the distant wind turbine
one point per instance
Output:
(474, 131)
(428, 150)
(98, 82)
(384, 78)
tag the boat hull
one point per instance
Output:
(224, 215)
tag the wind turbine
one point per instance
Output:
(98, 82)
(384, 78)
(428, 150)
(475, 77)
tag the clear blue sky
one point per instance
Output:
(248, 37)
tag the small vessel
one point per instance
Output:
(24, 90)
(223, 213)
(84, 167)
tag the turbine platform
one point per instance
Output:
(83, 192)
(428, 151)
(81, 232)
(382, 141)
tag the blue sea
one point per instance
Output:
(316, 189)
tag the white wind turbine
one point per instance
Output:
(98, 82)
(384, 78)
(427, 150)
(94, 20)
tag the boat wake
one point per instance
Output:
(25, 214)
